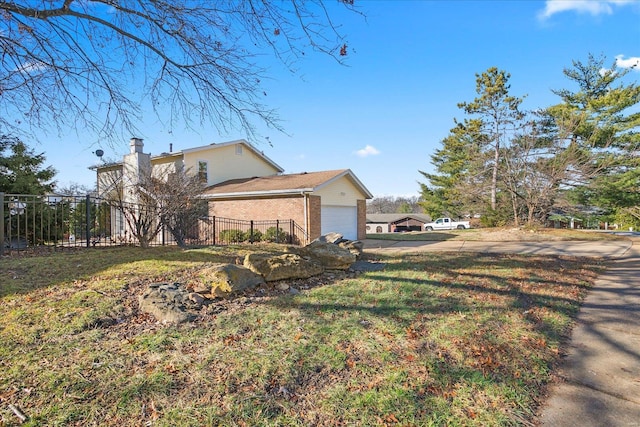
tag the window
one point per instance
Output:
(202, 171)
(238, 149)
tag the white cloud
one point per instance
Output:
(631, 62)
(367, 151)
(593, 7)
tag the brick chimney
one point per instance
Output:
(136, 145)
(135, 165)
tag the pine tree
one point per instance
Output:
(601, 122)
(499, 114)
(457, 186)
(21, 170)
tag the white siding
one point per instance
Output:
(340, 193)
(228, 162)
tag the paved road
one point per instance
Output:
(603, 248)
(600, 377)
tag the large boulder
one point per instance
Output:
(329, 255)
(282, 267)
(226, 279)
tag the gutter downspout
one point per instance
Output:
(306, 212)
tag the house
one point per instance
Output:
(389, 223)
(242, 183)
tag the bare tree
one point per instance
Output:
(100, 64)
(392, 204)
(154, 199)
(177, 197)
(535, 167)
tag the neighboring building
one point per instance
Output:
(389, 223)
(243, 183)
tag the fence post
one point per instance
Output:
(251, 232)
(290, 231)
(88, 217)
(214, 230)
(1, 223)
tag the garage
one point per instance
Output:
(340, 219)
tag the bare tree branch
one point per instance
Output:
(98, 65)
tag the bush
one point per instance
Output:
(274, 234)
(496, 218)
(233, 236)
(255, 237)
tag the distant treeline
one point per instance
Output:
(393, 204)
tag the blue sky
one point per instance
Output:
(409, 64)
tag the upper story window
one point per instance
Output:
(203, 171)
(238, 149)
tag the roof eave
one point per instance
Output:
(241, 194)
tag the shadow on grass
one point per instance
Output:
(23, 274)
(544, 291)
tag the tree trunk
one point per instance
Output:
(494, 176)
(514, 204)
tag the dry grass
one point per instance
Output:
(500, 234)
(434, 339)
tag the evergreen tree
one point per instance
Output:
(458, 185)
(601, 122)
(22, 170)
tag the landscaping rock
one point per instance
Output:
(330, 238)
(353, 246)
(226, 279)
(282, 286)
(167, 303)
(282, 267)
(329, 255)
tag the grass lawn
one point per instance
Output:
(433, 339)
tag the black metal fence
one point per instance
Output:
(57, 221)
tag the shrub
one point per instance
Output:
(274, 234)
(257, 235)
(232, 236)
(496, 218)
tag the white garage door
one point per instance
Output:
(340, 219)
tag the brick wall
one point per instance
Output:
(315, 215)
(260, 209)
(291, 207)
(362, 219)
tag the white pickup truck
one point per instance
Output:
(446, 224)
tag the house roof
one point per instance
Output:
(196, 149)
(396, 217)
(305, 182)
